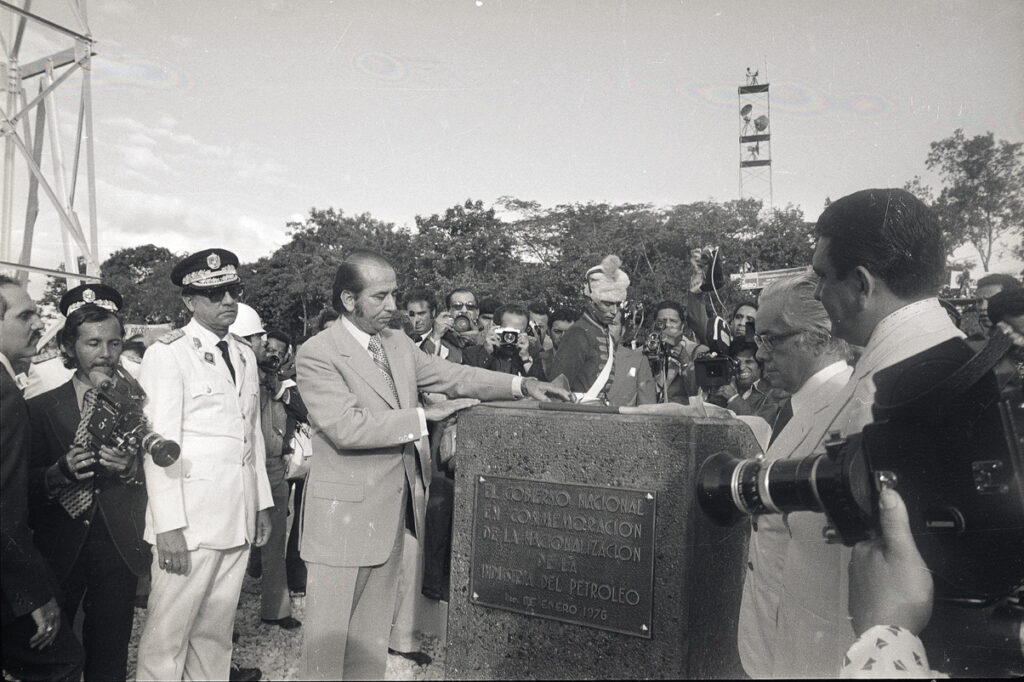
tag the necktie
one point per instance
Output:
(223, 345)
(417, 338)
(428, 346)
(381, 360)
(785, 414)
(76, 498)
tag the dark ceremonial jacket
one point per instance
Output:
(25, 580)
(121, 505)
(582, 355)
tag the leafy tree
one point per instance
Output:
(982, 195)
(143, 276)
(292, 286)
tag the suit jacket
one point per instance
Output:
(365, 445)
(218, 484)
(121, 505)
(25, 580)
(813, 576)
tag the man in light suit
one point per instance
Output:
(207, 508)
(880, 261)
(371, 464)
(800, 355)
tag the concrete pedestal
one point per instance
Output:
(678, 608)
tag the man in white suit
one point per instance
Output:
(206, 509)
(371, 464)
(801, 356)
(880, 260)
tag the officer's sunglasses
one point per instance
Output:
(217, 295)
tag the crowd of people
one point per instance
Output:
(354, 431)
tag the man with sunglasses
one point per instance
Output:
(206, 509)
(461, 303)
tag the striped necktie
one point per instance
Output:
(381, 360)
(76, 498)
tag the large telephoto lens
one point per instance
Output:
(730, 487)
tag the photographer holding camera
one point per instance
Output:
(506, 347)
(87, 503)
(671, 352)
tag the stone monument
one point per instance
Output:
(579, 550)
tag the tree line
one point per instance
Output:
(521, 251)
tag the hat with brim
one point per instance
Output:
(90, 294)
(207, 269)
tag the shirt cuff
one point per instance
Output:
(423, 422)
(517, 387)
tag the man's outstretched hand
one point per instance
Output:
(545, 391)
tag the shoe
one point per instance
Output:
(287, 623)
(417, 657)
(245, 674)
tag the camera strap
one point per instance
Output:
(967, 374)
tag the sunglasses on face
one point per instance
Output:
(217, 295)
(464, 306)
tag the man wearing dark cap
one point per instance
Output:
(88, 503)
(207, 508)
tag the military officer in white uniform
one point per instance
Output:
(207, 508)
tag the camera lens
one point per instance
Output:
(164, 452)
(461, 323)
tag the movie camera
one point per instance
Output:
(117, 420)
(947, 435)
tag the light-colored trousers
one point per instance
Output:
(404, 636)
(190, 618)
(348, 616)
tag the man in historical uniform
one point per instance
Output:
(371, 463)
(88, 504)
(586, 355)
(208, 507)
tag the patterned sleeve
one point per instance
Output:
(887, 651)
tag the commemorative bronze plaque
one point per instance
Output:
(575, 553)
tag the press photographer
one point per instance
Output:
(671, 351)
(506, 347)
(88, 501)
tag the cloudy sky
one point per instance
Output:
(217, 122)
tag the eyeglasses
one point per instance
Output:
(769, 341)
(217, 295)
(466, 306)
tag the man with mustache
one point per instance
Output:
(88, 504)
(37, 642)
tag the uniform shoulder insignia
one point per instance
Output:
(172, 336)
(48, 354)
(242, 340)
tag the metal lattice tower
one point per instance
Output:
(29, 125)
(755, 140)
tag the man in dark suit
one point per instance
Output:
(371, 463)
(88, 503)
(37, 642)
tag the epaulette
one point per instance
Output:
(48, 354)
(172, 336)
(242, 340)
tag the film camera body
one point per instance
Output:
(508, 339)
(946, 436)
(117, 420)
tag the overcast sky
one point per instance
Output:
(217, 122)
